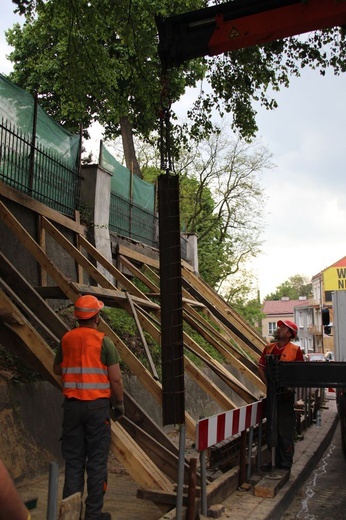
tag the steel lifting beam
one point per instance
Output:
(306, 375)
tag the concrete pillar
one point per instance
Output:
(95, 205)
(191, 250)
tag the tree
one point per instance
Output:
(226, 213)
(292, 288)
(91, 61)
(221, 201)
(94, 60)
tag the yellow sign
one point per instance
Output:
(334, 279)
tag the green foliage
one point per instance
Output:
(92, 60)
(120, 321)
(292, 288)
(251, 311)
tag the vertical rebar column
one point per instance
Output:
(172, 348)
(52, 509)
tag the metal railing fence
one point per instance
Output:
(129, 220)
(36, 171)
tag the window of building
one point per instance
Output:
(271, 328)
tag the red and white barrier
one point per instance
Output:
(219, 427)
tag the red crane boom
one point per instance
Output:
(242, 23)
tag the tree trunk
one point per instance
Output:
(129, 147)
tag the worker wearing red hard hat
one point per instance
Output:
(284, 350)
(88, 362)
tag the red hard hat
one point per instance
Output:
(87, 306)
(290, 324)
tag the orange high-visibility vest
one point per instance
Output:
(289, 352)
(84, 376)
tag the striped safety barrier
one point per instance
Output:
(217, 428)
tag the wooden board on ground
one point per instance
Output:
(70, 507)
(269, 485)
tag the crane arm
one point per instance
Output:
(242, 23)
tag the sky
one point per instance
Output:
(305, 210)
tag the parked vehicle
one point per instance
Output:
(315, 356)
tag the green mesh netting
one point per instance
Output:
(143, 193)
(17, 106)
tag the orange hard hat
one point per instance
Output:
(290, 324)
(87, 306)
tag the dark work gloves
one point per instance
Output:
(117, 410)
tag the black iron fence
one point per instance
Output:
(36, 171)
(129, 220)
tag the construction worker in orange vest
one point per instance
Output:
(284, 350)
(88, 362)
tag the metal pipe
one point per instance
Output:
(203, 471)
(259, 454)
(52, 509)
(249, 451)
(181, 468)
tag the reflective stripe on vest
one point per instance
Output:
(80, 370)
(86, 386)
(84, 375)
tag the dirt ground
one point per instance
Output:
(120, 498)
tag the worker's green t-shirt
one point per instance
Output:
(109, 354)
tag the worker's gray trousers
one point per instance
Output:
(286, 422)
(85, 447)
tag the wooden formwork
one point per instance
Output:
(29, 323)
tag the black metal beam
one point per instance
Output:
(307, 374)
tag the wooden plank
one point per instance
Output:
(138, 257)
(118, 275)
(20, 326)
(223, 344)
(138, 416)
(93, 272)
(30, 297)
(40, 256)
(138, 466)
(217, 492)
(110, 297)
(219, 369)
(153, 275)
(208, 386)
(21, 305)
(222, 372)
(202, 380)
(107, 295)
(160, 497)
(269, 486)
(142, 469)
(164, 459)
(32, 204)
(227, 312)
(70, 508)
(237, 332)
(143, 340)
(42, 241)
(232, 355)
(136, 461)
(138, 274)
(79, 267)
